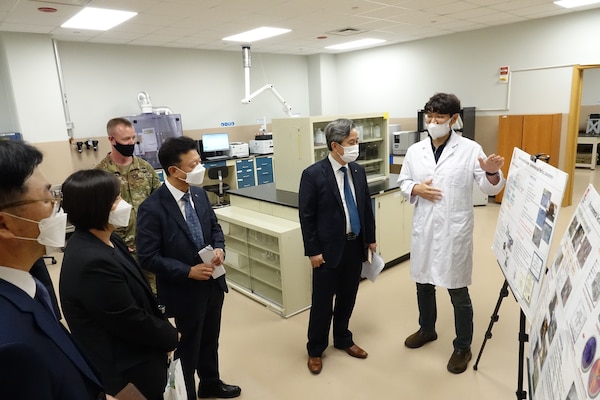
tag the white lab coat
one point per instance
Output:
(442, 231)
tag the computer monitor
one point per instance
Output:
(215, 142)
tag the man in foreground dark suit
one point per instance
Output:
(168, 241)
(39, 358)
(338, 227)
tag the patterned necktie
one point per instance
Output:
(351, 204)
(42, 296)
(193, 222)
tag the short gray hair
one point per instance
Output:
(338, 130)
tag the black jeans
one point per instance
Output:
(463, 313)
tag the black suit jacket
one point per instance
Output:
(39, 360)
(39, 270)
(113, 314)
(165, 246)
(322, 215)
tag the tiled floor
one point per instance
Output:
(265, 354)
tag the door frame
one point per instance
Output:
(573, 128)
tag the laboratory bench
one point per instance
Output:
(265, 252)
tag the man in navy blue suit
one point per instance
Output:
(338, 227)
(39, 358)
(173, 224)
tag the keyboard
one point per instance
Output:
(217, 158)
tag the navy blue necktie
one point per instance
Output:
(193, 222)
(351, 204)
(42, 296)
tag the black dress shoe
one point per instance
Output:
(219, 390)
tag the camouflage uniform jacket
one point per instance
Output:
(138, 180)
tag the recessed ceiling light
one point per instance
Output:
(47, 9)
(575, 3)
(99, 19)
(257, 34)
(354, 44)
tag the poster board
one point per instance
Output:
(532, 197)
(564, 359)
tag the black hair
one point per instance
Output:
(171, 150)
(338, 130)
(443, 103)
(18, 160)
(88, 196)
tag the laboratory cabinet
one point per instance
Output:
(534, 134)
(264, 170)
(393, 219)
(299, 142)
(244, 170)
(265, 259)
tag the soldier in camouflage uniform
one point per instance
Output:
(138, 178)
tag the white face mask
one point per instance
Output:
(119, 217)
(439, 130)
(350, 153)
(196, 176)
(52, 230)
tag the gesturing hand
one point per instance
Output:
(426, 191)
(491, 164)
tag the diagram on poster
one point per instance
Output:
(530, 206)
(565, 331)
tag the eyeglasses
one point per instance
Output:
(437, 117)
(55, 201)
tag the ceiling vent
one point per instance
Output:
(346, 31)
(64, 2)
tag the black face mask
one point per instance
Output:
(125, 149)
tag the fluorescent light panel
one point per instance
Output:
(575, 3)
(98, 19)
(257, 34)
(354, 44)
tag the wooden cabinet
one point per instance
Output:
(533, 134)
(393, 218)
(265, 259)
(299, 142)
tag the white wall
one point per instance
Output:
(402, 77)
(7, 107)
(205, 87)
(35, 87)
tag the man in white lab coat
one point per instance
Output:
(437, 177)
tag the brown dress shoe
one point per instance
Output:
(315, 365)
(356, 351)
(459, 361)
(419, 338)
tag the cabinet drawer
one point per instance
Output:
(212, 164)
(264, 177)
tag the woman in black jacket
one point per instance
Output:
(106, 300)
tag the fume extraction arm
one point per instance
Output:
(249, 96)
(145, 104)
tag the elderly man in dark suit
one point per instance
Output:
(39, 358)
(338, 227)
(174, 223)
